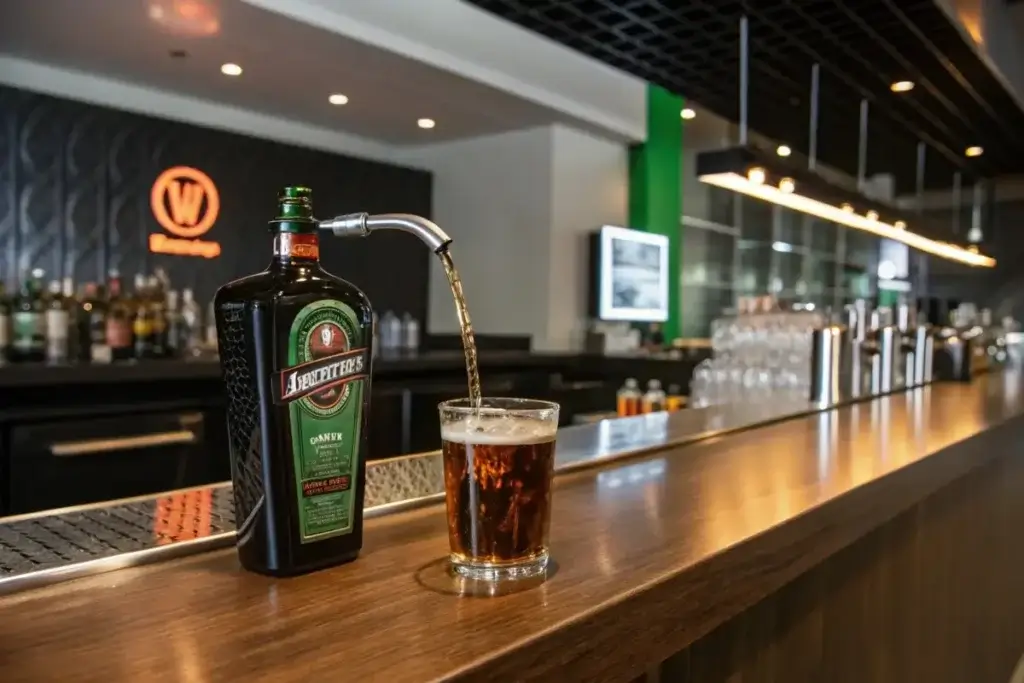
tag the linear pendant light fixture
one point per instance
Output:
(836, 214)
(756, 173)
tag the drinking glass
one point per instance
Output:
(499, 460)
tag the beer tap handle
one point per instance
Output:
(362, 224)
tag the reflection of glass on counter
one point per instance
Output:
(631, 474)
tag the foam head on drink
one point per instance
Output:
(498, 472)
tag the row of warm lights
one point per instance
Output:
(785, 195)
(907, 86)
(337, 99)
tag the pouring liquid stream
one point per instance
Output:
(465, 326)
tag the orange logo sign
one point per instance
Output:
(185, 203)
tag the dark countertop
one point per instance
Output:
(652, 553)
(39, 374)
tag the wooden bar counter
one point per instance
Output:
(876, 542)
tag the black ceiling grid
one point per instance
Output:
(691, 47)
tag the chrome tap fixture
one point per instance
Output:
(924, 354)
(883, 361)
(827, 344)
(906, 326)
(362, 224)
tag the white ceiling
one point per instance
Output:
(290, 68)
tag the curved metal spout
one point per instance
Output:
(362, 224)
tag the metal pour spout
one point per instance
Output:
(362, 224)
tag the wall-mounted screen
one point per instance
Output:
(629, 275)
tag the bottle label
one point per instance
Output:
(119, 334)
(323, 387)
(56, 325)
(56, 334)
(29, 332)
(292, 245)
(142, 327)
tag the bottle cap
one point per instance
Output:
(654, 385)
(631, 383)
(294, 210)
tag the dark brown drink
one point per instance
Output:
(497, 473)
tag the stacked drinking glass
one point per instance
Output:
(761, 353)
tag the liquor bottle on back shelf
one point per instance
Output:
(119, 321)
(29, 324)
(56, 324)
(158, 318)
(192, 323)
(294, 345)
(142, 325)
(175, 335)
(210, 339)
(72, 306)
(5, 325)
(85, 305)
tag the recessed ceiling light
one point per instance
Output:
(426, 123)
(899, 225)
(756, 175)
(974, 151)
(848, 208)
(687, 113)
(871, 215)
(787, 185)
(902, 86)
(783, 150)
(338, 99)
(230, 69)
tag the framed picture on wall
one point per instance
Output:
(630, 276)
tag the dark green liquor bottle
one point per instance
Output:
(5, 325)
(29, 323)
(295, 349)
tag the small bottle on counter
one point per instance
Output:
(674, 400)
(627, 400)
(390, 331)
(654, 398)
(410, 333)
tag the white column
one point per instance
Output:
(519, 207)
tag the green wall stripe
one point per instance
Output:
(655, 187)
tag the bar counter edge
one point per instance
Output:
(653, 554)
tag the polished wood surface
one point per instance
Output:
(653, 554)
(936, 595)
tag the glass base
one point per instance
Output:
(491, 571)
